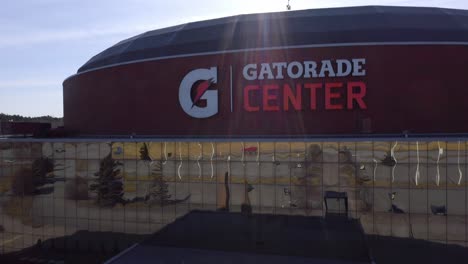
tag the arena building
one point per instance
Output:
(350, 111)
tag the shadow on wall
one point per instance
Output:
(26, 182)
(77, 189)
(32, 181)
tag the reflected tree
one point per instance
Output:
(158, 191)
(41, 168)
(144, 153)
(313, 163)
(356, 174)
(314, 153)
(108, 183)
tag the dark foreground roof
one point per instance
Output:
(224, 237)
(367, 24)
(81, 247)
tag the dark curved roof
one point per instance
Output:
(305, 27)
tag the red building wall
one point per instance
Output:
(415, 88)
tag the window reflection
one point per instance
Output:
(364, 152)
(404, 188)
(330, 152)
(267, 151)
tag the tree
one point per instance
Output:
(19, 118)
(108, 184)
(158, 191)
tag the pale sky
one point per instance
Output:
(44, 41)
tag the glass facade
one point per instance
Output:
(413, 189)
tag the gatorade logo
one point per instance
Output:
(197, 93)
